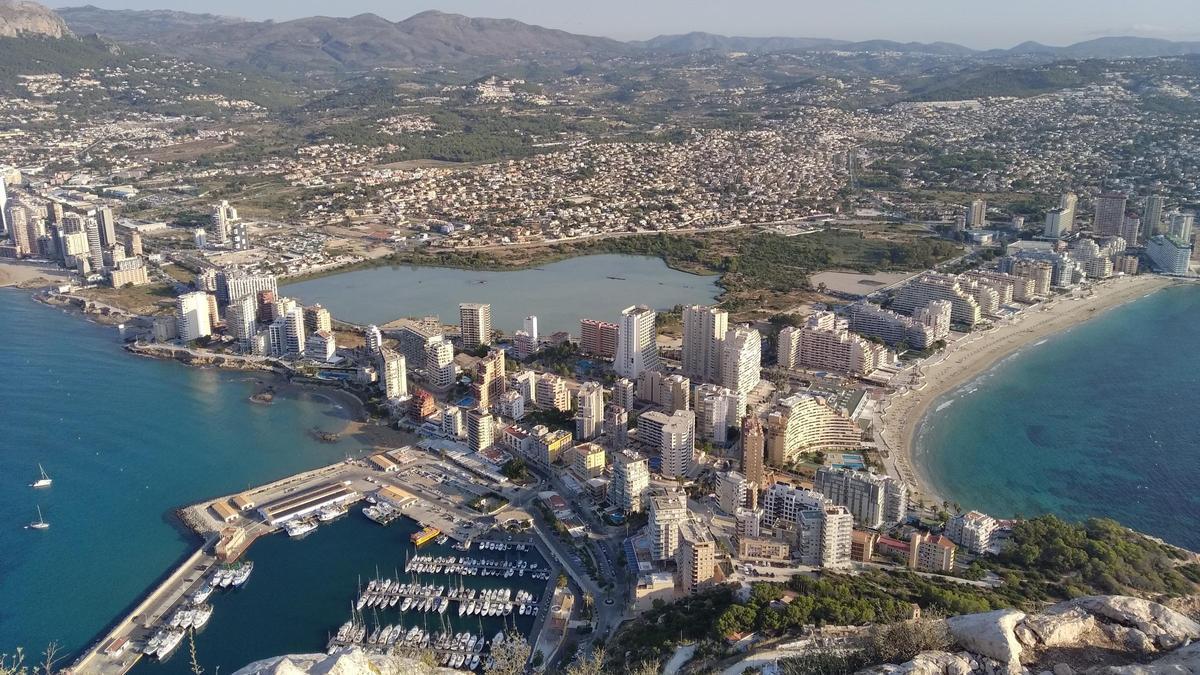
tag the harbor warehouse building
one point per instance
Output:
(307, 502)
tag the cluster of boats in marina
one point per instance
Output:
(194, 612)
(386, 593)
(302, 526)
(381, 512)
(474, 567)
(452, 650)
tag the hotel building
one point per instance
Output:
(804, 423)
(825, 342)
(930, 286)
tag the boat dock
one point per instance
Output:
(228, 525)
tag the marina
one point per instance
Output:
(446, 585)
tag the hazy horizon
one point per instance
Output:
(978, 26)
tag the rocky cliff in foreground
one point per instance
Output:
(21, 17)
(350, 662)
(1100, 635)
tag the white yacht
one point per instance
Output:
(43, 481)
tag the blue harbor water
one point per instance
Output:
(1097, 421)
(302, 590)
(560, 294)
(126, 440)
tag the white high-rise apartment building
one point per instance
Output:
(697, 556)
(192, 316)
(926, 326)
(930, 286)
(824, 536)
(1110, 214)
(825, 342)
(630, 480)
(95, 244)
(637, 347)
(240, 320)
(873, 499)
(395, 375)
(704, 330)
(741, 360)
(1152, 216)
(783, 502)
(1179, 224)
(805, 423)
(972, 530)
(235, 284)
(589, 411)
(675, 437)
(475, 324)
(440, 369)
(1168, 254)
(531, 328)
(667, 513)
(717, 410)
(223, 216)
(374, 339)
(976, 213)
(731, 492)
(295, 337)
(624, 392)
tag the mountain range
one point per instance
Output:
(432, 38)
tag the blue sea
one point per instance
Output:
(127, 440)
(1100, 420)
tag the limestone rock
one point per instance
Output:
(989, 634)
(1166, 627)
(1055, 629)
(926, 663)
(1131, 638)
(1183, 661)
(21, 17)
(346, 662)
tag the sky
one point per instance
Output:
(982, 24)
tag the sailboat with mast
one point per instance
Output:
(40, 523)
(44, 481)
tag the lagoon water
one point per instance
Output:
(126, 440)
(560, 293)
(1097, 421)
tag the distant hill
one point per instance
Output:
(21, 18)
(128, 25)
(696, 42)
(368, 41)
(327, 43)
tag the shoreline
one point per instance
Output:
(904, 411)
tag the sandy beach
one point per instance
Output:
(974, 353)
(29, 275)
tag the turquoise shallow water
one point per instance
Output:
(1097, 421)
(126, 440)
(560, 294)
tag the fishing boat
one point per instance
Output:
(169, 643)
(202, 615)
(40, 523)
(242, 573)
(299, 528)
(43, 481)
(201, 594)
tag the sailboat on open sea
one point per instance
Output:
(43, 481)
(40, 523)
